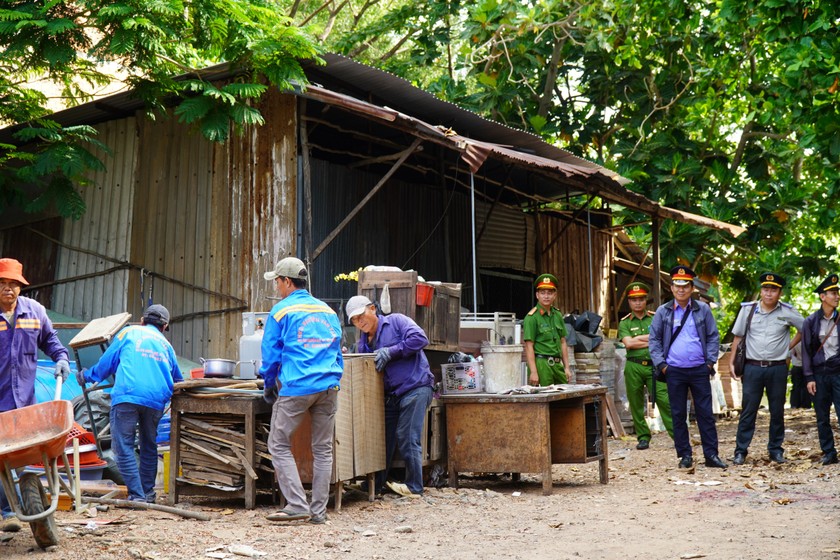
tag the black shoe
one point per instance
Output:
(739, 458)
(777, 457)
(829, 458)
(714, 461)
(643, 444)
(686, 462)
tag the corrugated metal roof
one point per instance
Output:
(481, 135)
(397, 93)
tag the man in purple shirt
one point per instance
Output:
(398, 343)
(684, 344)
(24, 329)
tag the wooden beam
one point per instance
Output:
(657, 284)
(334, 233)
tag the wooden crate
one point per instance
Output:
(440, 321)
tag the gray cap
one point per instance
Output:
(290, 267)
(356, 305)
(157, 315)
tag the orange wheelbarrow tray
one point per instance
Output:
(35, 434)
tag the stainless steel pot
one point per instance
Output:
(217, 367)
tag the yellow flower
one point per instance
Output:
(352, 276)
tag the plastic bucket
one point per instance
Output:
(502, 367)
(425, 293)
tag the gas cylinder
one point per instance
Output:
(250, 344)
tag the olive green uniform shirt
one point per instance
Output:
(546, 329)
(631, 326)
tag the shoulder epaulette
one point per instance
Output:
(627, 316)
(786, 305)
(746, 303)
(532, 311)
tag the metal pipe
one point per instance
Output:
(589, 247)
(474, 248)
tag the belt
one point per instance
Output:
(640, 361)
(766, 363)
(551, 359)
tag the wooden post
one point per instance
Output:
(657, 282)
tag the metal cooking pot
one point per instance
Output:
(217, 367)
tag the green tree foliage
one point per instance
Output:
(80, 45)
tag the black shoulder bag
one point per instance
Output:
(741, 350)
(660, 375)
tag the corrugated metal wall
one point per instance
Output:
(171, 226)
(254, 213)
(568, 259)
(395, 223)
(508, 241)
(400, 226)
(104, 229)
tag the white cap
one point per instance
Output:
(356, 305)
(290, 267)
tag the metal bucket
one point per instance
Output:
(502, 369)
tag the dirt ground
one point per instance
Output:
(649, 510)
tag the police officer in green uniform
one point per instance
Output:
(544, 333)
(638, 372)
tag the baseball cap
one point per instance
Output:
(290, 267)
(158, 315)
(356, 305)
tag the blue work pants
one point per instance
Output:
(404, 418)
(130, 422)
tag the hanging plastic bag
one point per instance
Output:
(385, 301)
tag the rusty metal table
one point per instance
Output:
(526, 433)
(245, 407)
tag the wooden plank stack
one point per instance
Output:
(213, 450)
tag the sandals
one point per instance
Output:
(284, 516)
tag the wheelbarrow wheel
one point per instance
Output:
(33, 497)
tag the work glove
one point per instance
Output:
(270, 393)
(80, 377)
(383, 356)
(62, 368)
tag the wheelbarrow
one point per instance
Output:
(36, 434)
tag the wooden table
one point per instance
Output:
(358, 447)
(246, 407)
(526, 433)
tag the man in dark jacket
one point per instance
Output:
(684, 343)
(821, 362)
